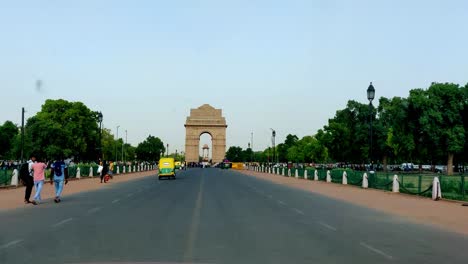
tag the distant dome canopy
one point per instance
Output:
(205, 146)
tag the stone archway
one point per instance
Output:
(205, 119)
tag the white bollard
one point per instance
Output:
(134, 168)
(130, 168)
(289, 172)
(14, 178)
(436, 192)
(316, 175)
(396, 184)
(269, 170)
(365, 182)
(90, 171)
(282, 171)
(118, 170)
(78, 173)
(124, 170)
(328, 176)
(305, 174)
(345, 178)
(296, 174)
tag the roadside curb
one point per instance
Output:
(462, 203)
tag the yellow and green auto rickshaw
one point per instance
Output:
(177, 165)
(167, 168)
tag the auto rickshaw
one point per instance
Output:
(167, 168)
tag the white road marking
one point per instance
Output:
(12, 243)
(298, 211)
(281, 202)
(130, 195)
(62, 222)
(93, 210)
(270, 196)
(373, 249)
(116, 201)
(327, 226)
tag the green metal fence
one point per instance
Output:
(5, 176)
(453, 187)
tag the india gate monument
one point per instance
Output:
(205, 119)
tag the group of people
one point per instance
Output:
(32, 174)
(105, 168)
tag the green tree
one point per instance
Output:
(8, 132)
(150, 149)
(441, 120)
(248, 155)
(347, 134)
(393, 134)
(63, 128)
(235, 154)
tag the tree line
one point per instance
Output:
(429, 126)
(70, 129)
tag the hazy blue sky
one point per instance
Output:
(288, 65)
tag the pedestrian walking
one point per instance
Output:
(60, 177)
(38, 169)
(105, 170)
(26, 177)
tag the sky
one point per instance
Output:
(287, 65)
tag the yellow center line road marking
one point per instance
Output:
(62, 222)
(327, 226)
(373, 249)
(116, 201)
(192, 235)
(12, 243)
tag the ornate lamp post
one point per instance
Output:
(99, 115)
(370, 97)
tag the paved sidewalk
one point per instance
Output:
(13, 198)
(443, 214)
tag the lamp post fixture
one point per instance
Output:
(124, 157)
(99, 115)
(370, 97)
(116, 143)
(167, 150)
(273, 135)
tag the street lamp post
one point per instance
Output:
(167, 150)
(116, 143)
(250, 150)
(273, 135)
(22, 135)
(125, 156)
(251, 141)
(370, 97)
(100, 117)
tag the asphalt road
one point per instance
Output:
(216, 216)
